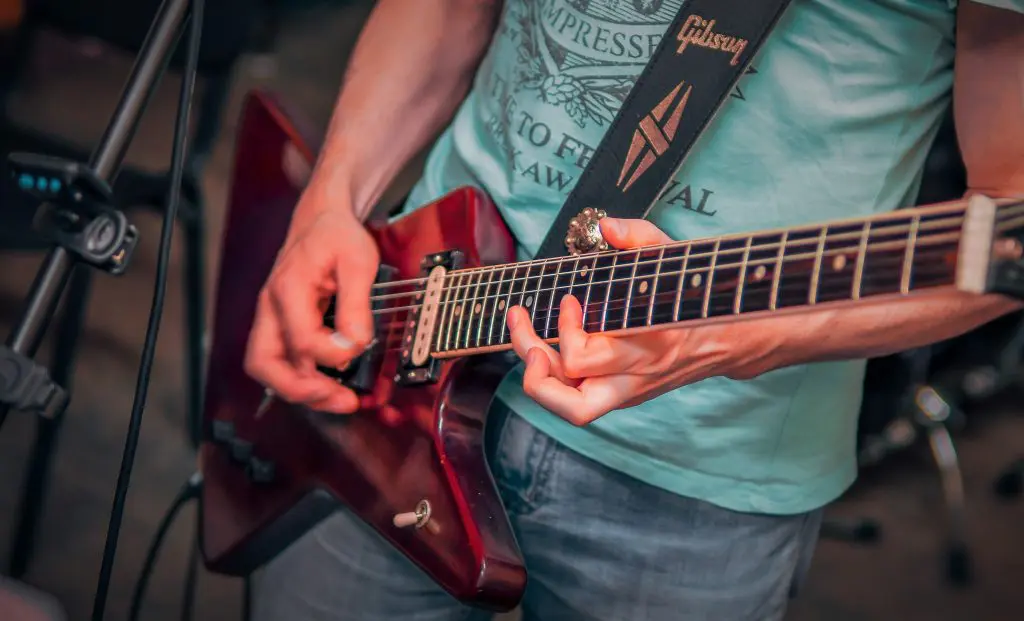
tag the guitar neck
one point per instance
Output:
(729, 277)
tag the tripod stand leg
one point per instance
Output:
(958, 556)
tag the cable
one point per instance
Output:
(188, 597)
(189, 491)
(156, 310)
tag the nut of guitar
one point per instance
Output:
(428, 315)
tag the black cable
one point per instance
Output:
(188, 597)
(156, 311)
(189, 491)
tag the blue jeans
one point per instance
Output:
(598, 545)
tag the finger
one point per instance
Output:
(589, 355)
(341, 401)
(628, 233)
(579, 405)
(524, 338)
(296, 301)
(267, 363)
(353, 319)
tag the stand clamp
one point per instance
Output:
(76, 210)
(25, 385)
(76, 213)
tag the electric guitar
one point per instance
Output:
(411, 463)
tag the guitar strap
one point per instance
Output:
(702, 56)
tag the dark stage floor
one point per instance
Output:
(900, 578)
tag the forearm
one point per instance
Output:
(871, 331)
(412, 66)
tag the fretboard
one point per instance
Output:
(704, 280)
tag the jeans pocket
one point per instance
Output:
(522, 464)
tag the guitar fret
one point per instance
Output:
(608, 292)
(908, 257)
(482, 303)
(508, 303)
(590, 283)
(682, 283)
(862, 252)
(812, 294)
(654, 288)
(738, 300)
(629, 292)
(534, 300)
(551, 298)
(442, 309)
(777, 276)
(451, 310)
(461, 309)
(495, 301)
(710, 279)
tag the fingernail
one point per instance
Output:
(339, 340)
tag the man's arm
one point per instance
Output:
(411, 68)
(988, 103)
(414, 62)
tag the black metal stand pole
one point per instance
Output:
(106, 161)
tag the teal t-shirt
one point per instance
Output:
(833, 119)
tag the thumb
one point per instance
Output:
(622, 233)
(352, 317)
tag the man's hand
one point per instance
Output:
(593, 374)
(326, 253)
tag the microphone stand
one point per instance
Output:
(77, 213)
(83, 224)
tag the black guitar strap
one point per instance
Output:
(704, 52)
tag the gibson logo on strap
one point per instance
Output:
(654, 135)
(699, 31)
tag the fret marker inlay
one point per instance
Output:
(643, 287)
(759, 272)
(839, 262)
(696, 280)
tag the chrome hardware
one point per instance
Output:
(584, 233)
(417, 518)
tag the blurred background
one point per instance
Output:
(933, 530)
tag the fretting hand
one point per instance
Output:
(592, 374)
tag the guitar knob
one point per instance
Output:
(417, 518)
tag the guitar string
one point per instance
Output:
(789, 244)
(930, 225)
(719, 300)
(958, 209)
(921, 242)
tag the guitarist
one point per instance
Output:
(675, 475)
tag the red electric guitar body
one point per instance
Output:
(272, 471)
